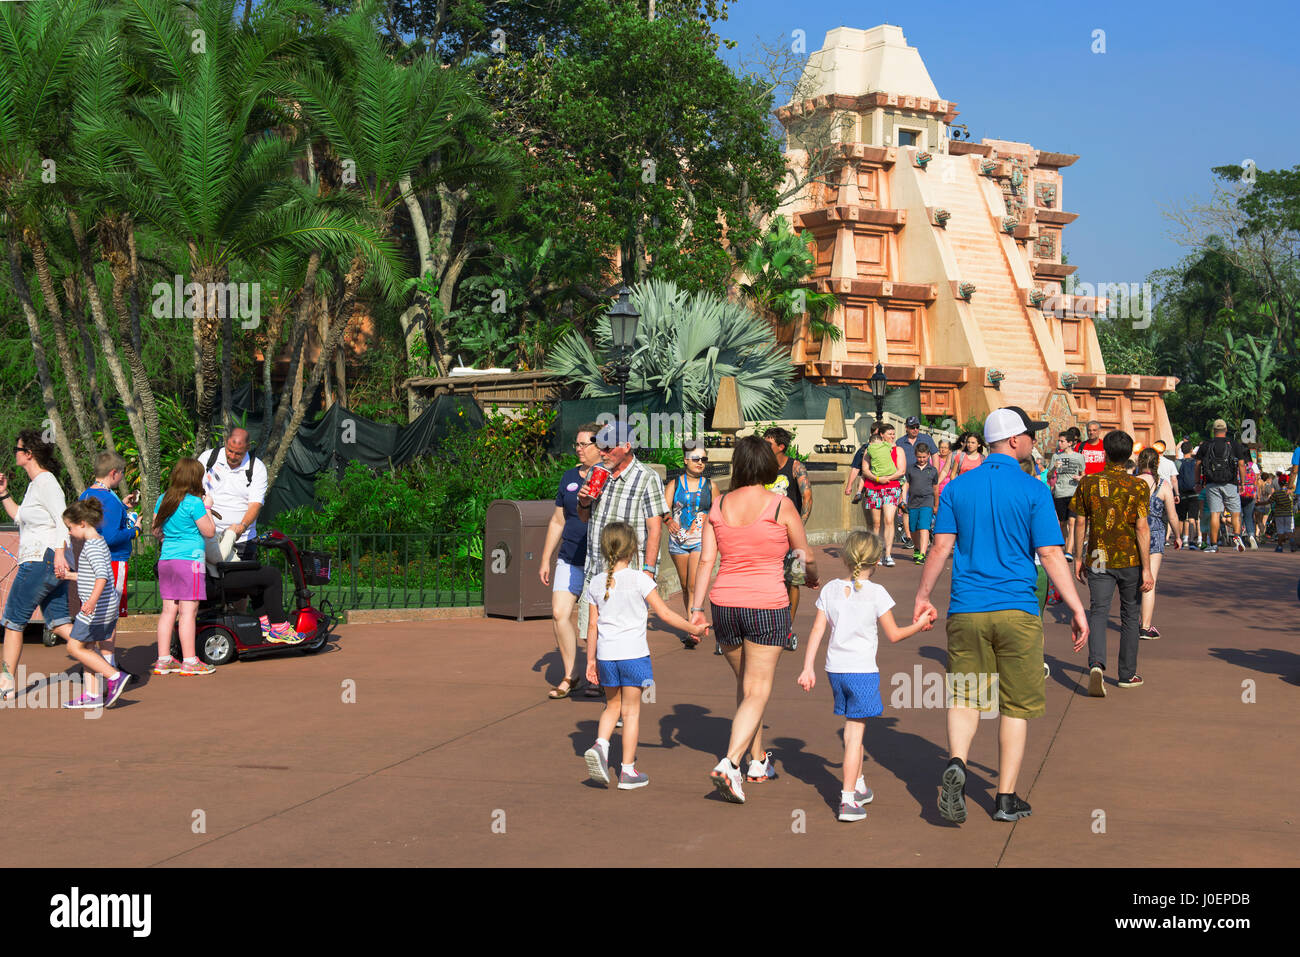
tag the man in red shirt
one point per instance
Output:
(1094, 454)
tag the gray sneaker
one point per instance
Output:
(852, 812)
(597, 765)
(861, 793)
(952, 794)
(630, 782)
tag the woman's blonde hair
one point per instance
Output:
(617, 544)
(861, 550)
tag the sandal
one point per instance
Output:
(556, 694)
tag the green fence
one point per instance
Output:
(373, 570)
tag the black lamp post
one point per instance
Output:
(622, 328)
(879, 385)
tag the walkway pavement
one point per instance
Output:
(449, 753)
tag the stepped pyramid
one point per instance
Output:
(944, 254)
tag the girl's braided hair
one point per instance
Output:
(861, 550)
(617, 543)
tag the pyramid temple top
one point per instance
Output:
(852, 62)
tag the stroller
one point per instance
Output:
(224, 632)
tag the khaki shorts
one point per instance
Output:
(997, 654)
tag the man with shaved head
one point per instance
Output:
(236, 482)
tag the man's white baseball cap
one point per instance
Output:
(1004, 423)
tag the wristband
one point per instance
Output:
(650, 568)
(697, 609)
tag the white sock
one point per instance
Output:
(603, 745)
(114, 676)
(190, 661)
(862, 783)
(629, 768)
(164, 657)
(847, 797)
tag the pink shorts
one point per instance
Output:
(182, 579)
(880, 497)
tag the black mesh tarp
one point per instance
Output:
(808, 401)
(340, 436)
(658, 418)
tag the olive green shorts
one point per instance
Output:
(997, 654)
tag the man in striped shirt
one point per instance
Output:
(633, 494)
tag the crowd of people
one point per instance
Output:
(1012, 521)
(72, 560)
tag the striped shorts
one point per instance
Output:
(762, 626)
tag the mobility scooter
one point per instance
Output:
(224, 632)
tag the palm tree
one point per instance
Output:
(685, 345)
(199, 167)
(775, 268)
(405, 130)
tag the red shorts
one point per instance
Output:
(119, 582)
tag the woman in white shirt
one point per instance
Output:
(42, 563)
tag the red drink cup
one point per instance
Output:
(596, 482)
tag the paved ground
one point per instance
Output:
(452, 755)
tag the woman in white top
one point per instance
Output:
(42, 537)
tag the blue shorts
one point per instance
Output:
(922, 518)
(627, 673)
(567, 577)
(675, 549)
(857, 694)
(36, 585)
(88, 633)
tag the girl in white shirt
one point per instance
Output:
(617, 650)
(854, 609)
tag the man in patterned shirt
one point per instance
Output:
(633, 494)
(1114, 503)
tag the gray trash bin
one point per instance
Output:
(513, 539)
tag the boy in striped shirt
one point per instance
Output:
(96, 618)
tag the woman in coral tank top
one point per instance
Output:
(752, 530)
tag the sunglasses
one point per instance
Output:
(698, 458)
(19, 448)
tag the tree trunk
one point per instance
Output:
(77, 309)
(338, 325)
(124, 264)
(227, 347)
(297, 343)
(42, 366)
(85, 434)
(133, 415)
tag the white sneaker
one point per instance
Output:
(1253, 544)
(889, 561)
(763, 770)
(727, 779)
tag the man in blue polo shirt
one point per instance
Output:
(992, 520)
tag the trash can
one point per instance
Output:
(513, 539)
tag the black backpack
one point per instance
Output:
(1220, 465)
(212, 460)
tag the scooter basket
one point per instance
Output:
(315, 567)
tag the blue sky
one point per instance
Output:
(1180, 88)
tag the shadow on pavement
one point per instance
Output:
(1274, 661)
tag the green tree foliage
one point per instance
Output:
(775, 268)
(639, 138)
